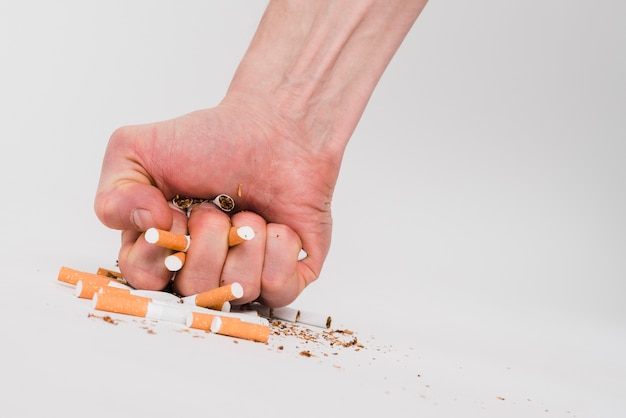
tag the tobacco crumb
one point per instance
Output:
(235, 341)
(500, 398)
(239, 187)
(306, 353)
(105, 318)
(151, 331)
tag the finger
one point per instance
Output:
(312, 255)
(281, 282)
(133, 206)
(244, 263)
(142, 263)
(208, 229)
(126, 198)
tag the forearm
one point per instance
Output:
(319, 61)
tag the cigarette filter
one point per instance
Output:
(134, 305)
(153, 295)
(167, 239)
(239, 234)
(174, 262)
(199, 320)
(215, 298)
(253, 319)
(121, 303)
(235, 327)
(87, 287)
(71, 276)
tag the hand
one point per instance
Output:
(282, 188)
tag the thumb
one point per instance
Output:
(133, 206)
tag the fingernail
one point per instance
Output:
(142, 218)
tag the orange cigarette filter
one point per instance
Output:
(89, 286)
(239, 234)
(215, 298)
(122, 303)
(234, 327)
(114, 289)
(200, 320)
(167, 239)
(175, 262)
(71, 276)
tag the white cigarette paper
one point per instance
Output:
(315, 319)
(285, 313)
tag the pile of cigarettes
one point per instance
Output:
(209, 311)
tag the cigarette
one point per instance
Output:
(253, 319)
(239, 234)
(315, 319)
(87, 287)
(174, 262)
(224, 202)
(199, 320)
(72, 276)
(121, 303)
(112, 289)
(110, 273)
(141, 306)
(285, 313)
(235, 327)
(215, 298)
(167, 239)
(153, 295)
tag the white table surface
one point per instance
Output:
(479, 252)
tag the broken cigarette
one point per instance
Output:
(285, 313)
(199, 320)
(167, 239)
(154, 295)
(288, 314)
(129, 304)
(235, 327)
(215, 298)
(88, 286)
(174, 262)
(72, 276)
(315, 319)
(239, 234)
(111, 273)
(224, 202)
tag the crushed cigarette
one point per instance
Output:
(167, 239)
(109, 293)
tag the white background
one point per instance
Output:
(479, 251)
